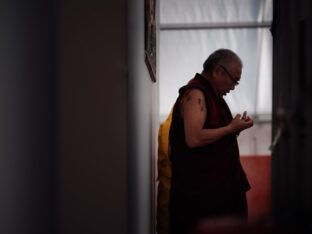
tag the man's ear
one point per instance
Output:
(216, 71)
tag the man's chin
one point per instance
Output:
(221, 94)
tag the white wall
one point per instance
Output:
(143, 123)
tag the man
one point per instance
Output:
(207, 177)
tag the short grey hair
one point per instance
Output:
(220, 56)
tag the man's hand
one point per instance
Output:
(240, 123)
(245, 116)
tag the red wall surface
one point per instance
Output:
(258, 170)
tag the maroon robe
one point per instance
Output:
(207, 181)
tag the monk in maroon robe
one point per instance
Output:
(208, 180)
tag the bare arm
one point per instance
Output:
(194, 113)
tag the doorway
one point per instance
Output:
(189, 32)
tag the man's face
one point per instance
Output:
(227, 77)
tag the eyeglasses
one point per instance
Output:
(233, 79)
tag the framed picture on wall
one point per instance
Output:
(150, 38)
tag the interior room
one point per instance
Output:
(80, 112)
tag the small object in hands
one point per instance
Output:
(244, 115)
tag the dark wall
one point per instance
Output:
(92, 116)
(63, 117)
(292, 161)
(27, 122)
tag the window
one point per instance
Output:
(191, 30)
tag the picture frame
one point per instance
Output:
(150, 38)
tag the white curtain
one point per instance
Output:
(182, 51)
